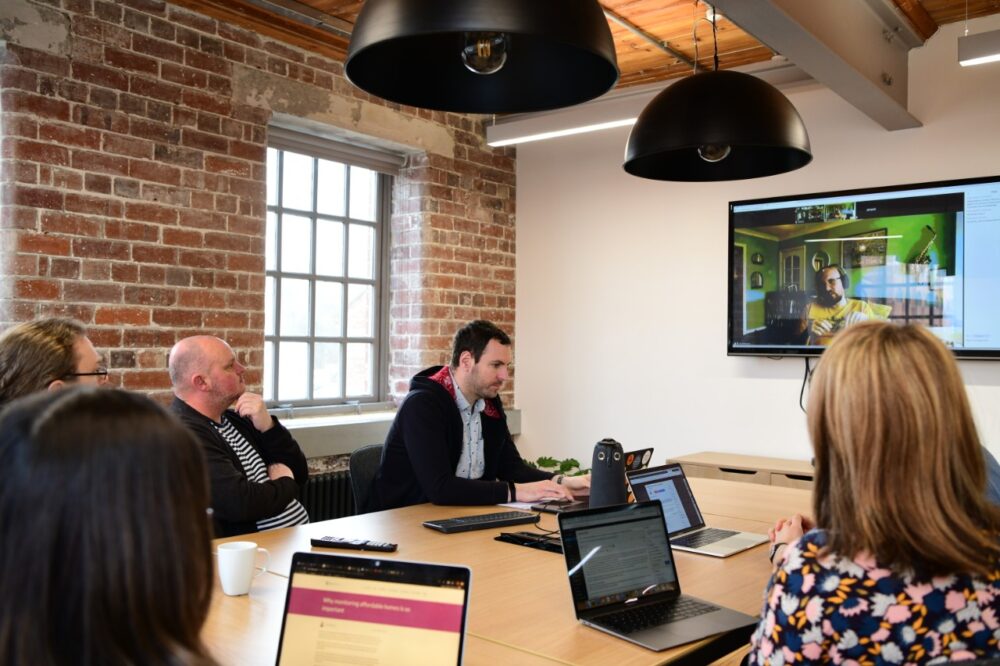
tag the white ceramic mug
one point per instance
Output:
(236, 565)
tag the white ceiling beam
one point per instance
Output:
(896, 21)
(857, 51)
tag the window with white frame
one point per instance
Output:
(324, 302)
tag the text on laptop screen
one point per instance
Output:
(669, 487)
(353, 609)
(618, 556)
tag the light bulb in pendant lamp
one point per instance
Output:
(485, 52)
(482, 56)
(719, 125)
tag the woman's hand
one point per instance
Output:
(786, 531)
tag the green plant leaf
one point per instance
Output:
(546, 461)
(569, 464)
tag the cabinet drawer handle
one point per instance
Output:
(730, 470)
(799, 477)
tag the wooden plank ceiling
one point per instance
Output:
(324, 26)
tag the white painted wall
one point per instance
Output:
(621, 282)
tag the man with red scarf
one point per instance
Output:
(449, 442)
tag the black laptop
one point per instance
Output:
(634, 461)
(624, 581)
(359, 610)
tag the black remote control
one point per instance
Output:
(353, 544)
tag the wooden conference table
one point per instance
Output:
(520, 607)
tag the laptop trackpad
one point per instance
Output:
(691, 629)
(739, 542)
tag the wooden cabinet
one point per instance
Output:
(749, 469)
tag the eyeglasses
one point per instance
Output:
(100, 372)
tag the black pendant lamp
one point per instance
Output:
(482, 56)
(718, 125)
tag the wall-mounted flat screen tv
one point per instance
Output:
(802, 268)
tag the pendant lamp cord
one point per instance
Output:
(715, 41)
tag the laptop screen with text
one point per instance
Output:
(360, 610)
(617, 554)
(668, 485)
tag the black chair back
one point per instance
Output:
(363, 465)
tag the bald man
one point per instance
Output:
(255, 467)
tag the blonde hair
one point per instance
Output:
(35, 354)
(899, 467)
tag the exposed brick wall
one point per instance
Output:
(452, 257)
(132, 168)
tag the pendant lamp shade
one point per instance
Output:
(482, 56)
(717, 125)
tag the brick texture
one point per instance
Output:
(132, 193)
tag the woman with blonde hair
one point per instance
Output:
(47, 354)
(903, 564)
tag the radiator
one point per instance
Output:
(328, 496)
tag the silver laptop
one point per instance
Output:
(624, 581)
(353, 610)
(686, 527)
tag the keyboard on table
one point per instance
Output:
(643, 617)
(702, 538)
(483, 521)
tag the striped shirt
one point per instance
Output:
(256, 471)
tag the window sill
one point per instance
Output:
(288, 412)
(334, 434)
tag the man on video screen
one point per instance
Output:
(832, 310)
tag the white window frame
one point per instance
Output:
(386, 165)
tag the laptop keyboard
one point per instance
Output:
(702, 538)
(643, 617)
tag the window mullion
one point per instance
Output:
(278, 229)
(347, 281)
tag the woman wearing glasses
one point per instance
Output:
(47, 354)
(903, 563)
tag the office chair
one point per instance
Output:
(363, 465)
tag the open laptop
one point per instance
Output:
(624, 581)
(342, 609)
(634, 460)
(638, 459)
(685, 524)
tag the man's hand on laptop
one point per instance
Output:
(530, 492)
(580, 485)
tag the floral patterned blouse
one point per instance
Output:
(836, 610)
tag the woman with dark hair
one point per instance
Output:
(105, 545)
(903, 565)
